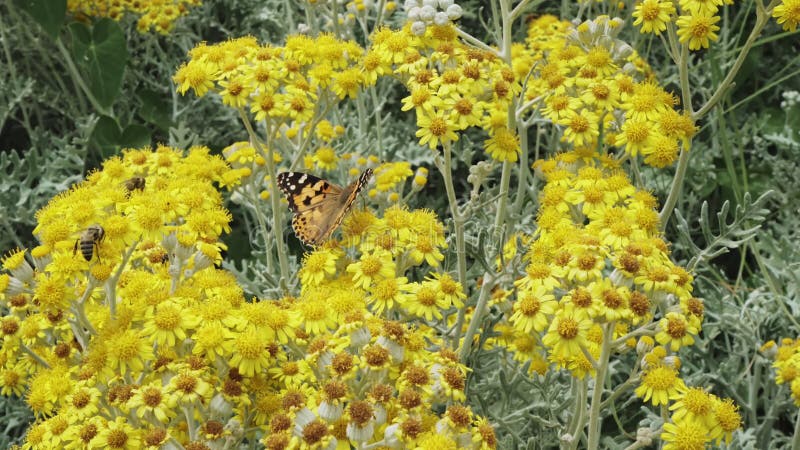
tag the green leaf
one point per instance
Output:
(102, 54)
(135, 136)
(155, 109)
(106, 137)
(49, 14)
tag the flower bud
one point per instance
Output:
(441, 18)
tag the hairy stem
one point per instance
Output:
(599, 382)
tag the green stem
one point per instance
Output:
(762, 18)
(480, 308)
(274, 196)
(76, 77)
(683, 162)
(111, 283)
(378, 120)
(458, 229)
(599, 382)
(34, 355)
(796, 436)
(580, 414)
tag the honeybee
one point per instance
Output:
(89, 241)
(134, 184)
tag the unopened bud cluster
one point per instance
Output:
(422, 13)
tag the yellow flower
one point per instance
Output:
(503, 145)
(316, 265)
(675, 330)
(371, 268)
(697, 30)
(787, 14)
(427, 301)
(117, 434)
(685, 435)
(653, 15)
(325, 157)
(567, 332)
(660, 384)
(435, 128)
(533, 309)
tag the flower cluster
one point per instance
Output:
(158, 15)
(586, 81)
(130, 337)
(598, 274)
(452, 86)
(696, 20)
(423, 13)
(286, 86)
(786, 358)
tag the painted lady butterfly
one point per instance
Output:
(319, 206)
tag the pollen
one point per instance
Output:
(579, 123)
(529, 305)
(639, 303)
(676, 327)
(454, 378)
(186, 383)
(438, 126)
(371, 265)
(612, 299)
(87, 432)
(416, 375)
(117, 439)
(168, 318)
(315, 431)
(409, 399)
(152, 397)
(376, 355)
(250, 346)
(568, 328)
(426, 296)
(361, 412)
(587, 261)
(155, 437)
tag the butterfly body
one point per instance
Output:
(318, 205)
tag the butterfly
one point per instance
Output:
(318, 205)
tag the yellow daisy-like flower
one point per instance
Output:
(118, 434)
(697, 30)
(685, 435)
(316, 266)
(676, 331)
(371, 268)
(567, 333)
(787, 14)
(435, 129)
(653, 15)
(532, 309)
(659, 384)
(503, 145)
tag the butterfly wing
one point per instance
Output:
(313, 201)
(318, 205)
(346, 200)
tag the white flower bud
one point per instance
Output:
(441, 18)
(360, 434)
(426, 13)
(418, 28)
(408, 4)
(219, 406)
(444, 4)
(454, 12)
(330, 411)
(431, 3)
(413, 13)
(303, 28)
